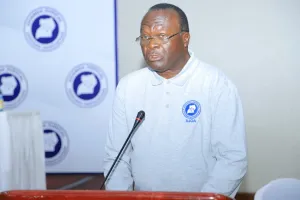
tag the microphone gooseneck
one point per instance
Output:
(139, 118)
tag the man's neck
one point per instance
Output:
(173, 72)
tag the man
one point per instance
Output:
(193, 135)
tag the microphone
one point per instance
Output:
(139, 118)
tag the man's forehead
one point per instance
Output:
(162, 18)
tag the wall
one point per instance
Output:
(257, 44)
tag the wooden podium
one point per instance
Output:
(106, 195)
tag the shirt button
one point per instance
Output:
(167, 105)
(167, 92)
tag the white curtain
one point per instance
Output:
(22, 154)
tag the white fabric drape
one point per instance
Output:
(22, 159)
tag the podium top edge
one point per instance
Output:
(94, 194)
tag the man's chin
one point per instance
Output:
(157, 69)
(156, 66)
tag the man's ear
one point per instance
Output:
(186, 39)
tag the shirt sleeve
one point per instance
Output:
(228, 141)
(120, 177)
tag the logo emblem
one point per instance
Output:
(86, 85)
(45, 29)
(13, 85)
(56, 143)
(191, 110)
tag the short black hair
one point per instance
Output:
(184, 24)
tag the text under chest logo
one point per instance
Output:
(191, 110)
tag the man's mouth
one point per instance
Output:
(154, 57)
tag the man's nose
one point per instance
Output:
(154, 43)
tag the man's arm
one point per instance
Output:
(228, 141)
(120, 178)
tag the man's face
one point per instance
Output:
(161, 56)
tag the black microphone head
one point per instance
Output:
(141, 115)
(139, 118)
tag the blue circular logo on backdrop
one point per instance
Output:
(86, 85)
(191, 109)
(13, 85)
(56, 143)
(45, 29)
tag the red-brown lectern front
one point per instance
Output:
(106, 195)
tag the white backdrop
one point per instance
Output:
(59, 58)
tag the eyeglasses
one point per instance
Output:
(161, 39)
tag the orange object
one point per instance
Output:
(106, 195)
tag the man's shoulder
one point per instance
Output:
(207, 68)
(215, 75)
(138, 74)
(135, 78)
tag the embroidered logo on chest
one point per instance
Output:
(191, 110)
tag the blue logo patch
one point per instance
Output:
(56, 143)
(86, 85)
(45, 29)
(191, 110)
(13, 85)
